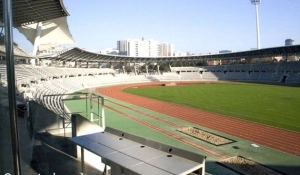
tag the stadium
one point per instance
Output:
(57, 106)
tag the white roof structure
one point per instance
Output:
(32, 12)
(54, 32)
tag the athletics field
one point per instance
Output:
(159, 120)
(267, 104)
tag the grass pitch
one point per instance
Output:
(267, 104)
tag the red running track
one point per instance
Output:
(280, 139)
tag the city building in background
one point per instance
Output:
(144, 48)
(225, 51)
(122, 46)
(110, 51)
(165, 49)
(137, 48)
(289, 42)
(179, 53)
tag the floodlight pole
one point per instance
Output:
(256, 2)
(257, 27)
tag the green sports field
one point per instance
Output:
(267, 104)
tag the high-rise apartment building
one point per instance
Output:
(153, 48)
(165, 49)
(122, 46)
(144, 48)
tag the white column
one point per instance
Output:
(158, 69)
(37, 39)
(124, 71)
(147, 72)
(135, 70)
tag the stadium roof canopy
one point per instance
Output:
(53, 33)
(27, 12)
(80, 55)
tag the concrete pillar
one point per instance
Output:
(37, 39)
(123, 68)
(158, 69)
(147, 71)
(135, 72)
(33, 62)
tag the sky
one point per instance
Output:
(195, 26)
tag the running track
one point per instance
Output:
(283, 140)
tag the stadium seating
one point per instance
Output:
(44, 84)
(166, 76)
(263, 72)
(190, 75)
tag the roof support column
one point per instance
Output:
(36, 43)
(37, 38)
(135, 72)
(111, 65)
(157, 65)
(146, 67)
(285, 57)
(123, 68)
(170, 67)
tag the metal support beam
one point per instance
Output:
(10, 69)
(102, 112)
(82, 160)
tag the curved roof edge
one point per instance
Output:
(64, 8)
(77, 54)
